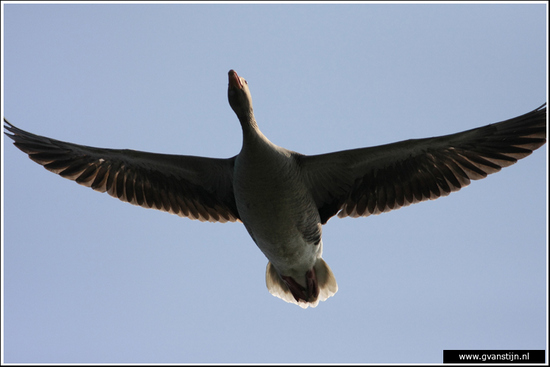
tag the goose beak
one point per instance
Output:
(234, 80)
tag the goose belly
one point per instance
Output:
(283, 223)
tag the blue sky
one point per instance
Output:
(90, 279)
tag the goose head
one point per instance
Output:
(240, 99)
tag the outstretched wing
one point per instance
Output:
(366, 181)
(194, 187)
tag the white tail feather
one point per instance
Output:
(325, 280)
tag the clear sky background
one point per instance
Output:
(88, 278)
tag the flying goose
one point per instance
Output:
(283, 197)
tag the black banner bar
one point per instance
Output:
(494, 356)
